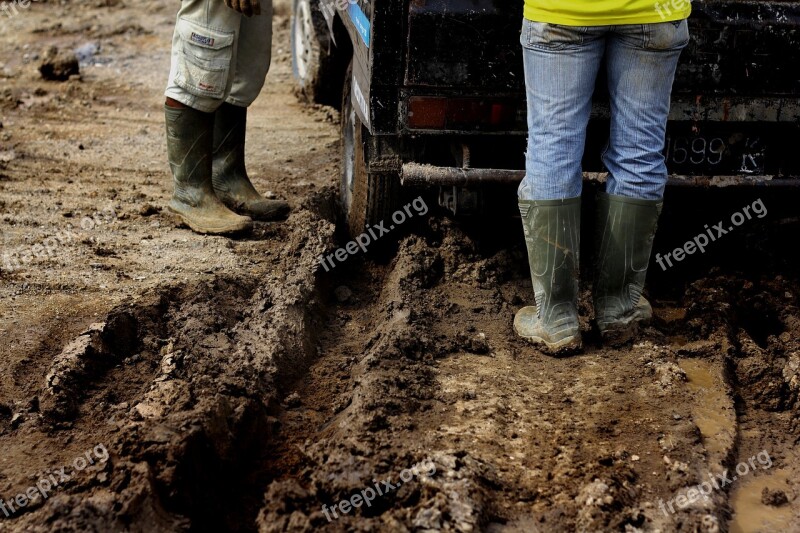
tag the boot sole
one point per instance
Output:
(272, 216)
(623, 332)
(276, 216)
(234, 229)
(617, 338)
(567, 346)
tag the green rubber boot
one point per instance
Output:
(231, 183)
(189, 150)
(626, 228)
(552, 236)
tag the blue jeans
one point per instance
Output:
(561, 67)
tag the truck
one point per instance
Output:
(432, 95)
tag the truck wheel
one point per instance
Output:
(312, 55)
(367, 198)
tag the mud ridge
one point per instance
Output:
(213, 357)
(389, 367)
(756, 342)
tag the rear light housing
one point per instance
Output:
(478, 114)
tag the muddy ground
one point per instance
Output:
(156, 380)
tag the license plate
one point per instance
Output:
(724, 154)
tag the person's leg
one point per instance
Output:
(231, 182)
(641, 63)
(561, 65)
(641, 60)
(203, 50)
(253, 58)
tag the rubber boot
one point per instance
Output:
(231, 183)
(189, 137)
(552, 236)
(626, 228)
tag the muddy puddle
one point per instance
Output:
(712, 408)
(751, 514)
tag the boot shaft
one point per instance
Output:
(552, 237)
(189, 142)
(230, 128)
(626, 228)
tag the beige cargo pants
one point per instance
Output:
(219, 55)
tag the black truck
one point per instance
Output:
(432, 95)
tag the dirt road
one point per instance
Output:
(156, 380)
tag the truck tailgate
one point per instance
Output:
(468, 44)
(742, 48)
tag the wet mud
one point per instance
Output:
(237, 385)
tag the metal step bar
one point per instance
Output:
(420, 175)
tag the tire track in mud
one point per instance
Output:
(754, 344)
(420, 363)
(254, 401)
(210, 359)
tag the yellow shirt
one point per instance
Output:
(606, 12)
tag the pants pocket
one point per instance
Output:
(551, 37)
(204, 60)
(668, 35)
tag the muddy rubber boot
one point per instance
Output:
(231, 183)
(626, 228)
(552, 236)
(189, 137)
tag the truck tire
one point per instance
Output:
(366, 198)
(313, 63)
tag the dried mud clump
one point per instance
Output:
(58, 65)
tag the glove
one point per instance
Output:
(247, 8)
